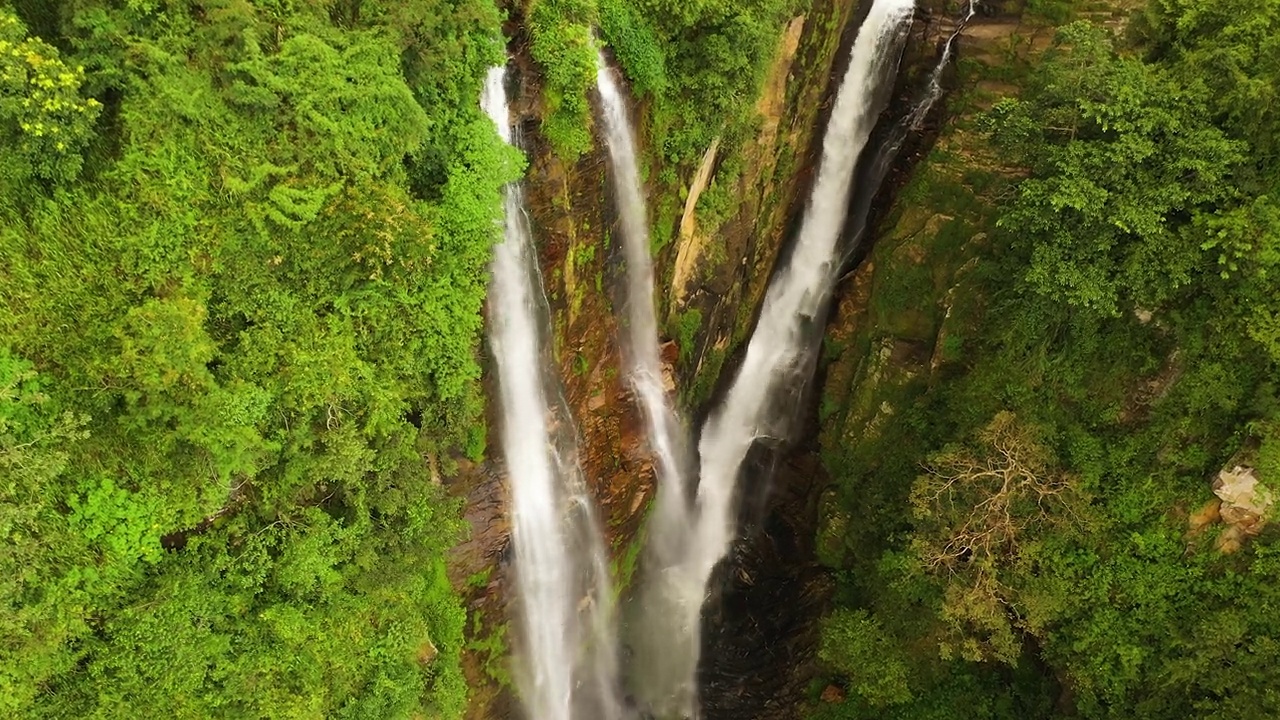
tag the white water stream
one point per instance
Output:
(567, 660)
(798, 291)
(686, 543)
(665, 643)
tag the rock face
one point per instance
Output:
(1245, 506)
(761, 628)
(1245, 502)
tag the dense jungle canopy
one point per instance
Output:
(243, 252)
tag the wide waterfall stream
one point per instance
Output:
(568, 651)
(568, 647)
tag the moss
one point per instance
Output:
(491, 645)
(480, 579)
(705, 382)
(687, 324)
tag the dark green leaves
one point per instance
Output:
(1122, 161)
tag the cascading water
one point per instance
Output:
(934, 90)
(644, 366)
(683, 564)
(874, 169)
(569, 651)
(665, 644)
(799, 291)
(568, 668)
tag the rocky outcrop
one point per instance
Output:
(1242, 506)
(1245, 503)
(690, 246)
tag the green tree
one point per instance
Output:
(255, 316)
(1121, 157)
(45, 123)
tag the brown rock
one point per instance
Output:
(1230, 540)
(833, 694)
(1246, 503)
(1205, 516)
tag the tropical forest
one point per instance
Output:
(640, 359)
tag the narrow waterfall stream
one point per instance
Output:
(663, 612)
(934, 90)
(567, 659)
(644, 367)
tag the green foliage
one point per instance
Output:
(1230, 51)
(492, 644)
(1054, 11)
(1121, 157)
(717, 203)
(855, 645)
(44, 122)
(1121, 307)
(560, 33)
(635, 45)
(687, 325)
(238, 342)
(715, 55)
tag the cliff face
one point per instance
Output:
(711, 275)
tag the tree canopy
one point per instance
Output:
(244, 249)
(1114, 349)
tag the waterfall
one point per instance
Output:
(641, 342)
(934, 89)
(568, 655)
(688, 539)
(666, 639)
(873, 170)
(568, 646)
(799, 290)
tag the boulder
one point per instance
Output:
(1246, 502)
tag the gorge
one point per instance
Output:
(693, 523)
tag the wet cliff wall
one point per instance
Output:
(713, 260)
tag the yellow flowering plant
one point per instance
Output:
(43, 117)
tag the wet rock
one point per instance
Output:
(597, 402)
(669, 354)
(760, 625)
(489, 527)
